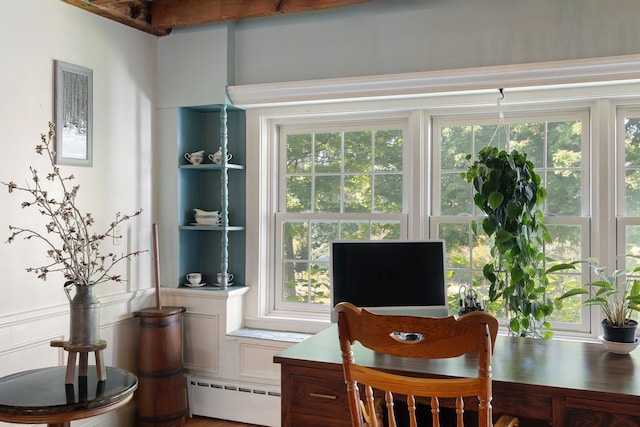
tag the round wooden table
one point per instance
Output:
(40, 396)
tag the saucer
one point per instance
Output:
(194, 285)
(220, 284)
(619, 347)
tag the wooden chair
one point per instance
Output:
(416, 337)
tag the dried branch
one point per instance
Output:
(77, 255)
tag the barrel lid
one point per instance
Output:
(159, 312)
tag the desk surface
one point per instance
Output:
(41, 395)
(542, 363)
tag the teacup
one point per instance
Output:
(195, 158)
(217, 156)
(229, 278)
(194, 278)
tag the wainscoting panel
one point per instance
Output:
(200, 342)
(256, 360)
(25, 344)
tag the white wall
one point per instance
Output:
(379, 37)
(385, 37)
(123, 60)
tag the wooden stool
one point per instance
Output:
(84, 350)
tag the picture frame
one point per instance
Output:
(73, 114)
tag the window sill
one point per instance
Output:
(270, 335)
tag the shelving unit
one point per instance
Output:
(211, 249)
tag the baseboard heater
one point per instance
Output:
(251, 404)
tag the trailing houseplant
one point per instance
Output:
(616, 293)
(509, 192)
(72, 248)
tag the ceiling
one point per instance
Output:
(159, 17)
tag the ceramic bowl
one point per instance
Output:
(205, 214)
(618, 347)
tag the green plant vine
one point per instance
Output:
(509, 192)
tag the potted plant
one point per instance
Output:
(617, 294)
(72, 247)
(508, 191)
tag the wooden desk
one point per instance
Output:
(559, 383)
(41, 396)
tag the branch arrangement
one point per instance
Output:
(77, 253)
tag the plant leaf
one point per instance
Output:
(495, 199)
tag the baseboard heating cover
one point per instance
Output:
(251, 404)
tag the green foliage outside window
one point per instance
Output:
(333, 174)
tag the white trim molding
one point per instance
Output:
(406, 85)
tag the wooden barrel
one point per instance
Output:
(162, 390)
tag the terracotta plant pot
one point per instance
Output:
(620, 334)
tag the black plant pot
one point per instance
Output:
(620, 334)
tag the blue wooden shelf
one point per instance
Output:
(211, 166)
(212, 227)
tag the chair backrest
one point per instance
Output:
(415, 337)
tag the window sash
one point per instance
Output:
(582, 222)
(279, 304)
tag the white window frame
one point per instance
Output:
(276, 306)
(607, 84)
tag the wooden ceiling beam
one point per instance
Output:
(182, 13)
(159, 17)
(133, 13)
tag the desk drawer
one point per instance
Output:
(598, 413)
(318, 394)
(522, 402)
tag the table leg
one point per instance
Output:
(71, 367)
(84, 363)
(64, 424)
(102, 372)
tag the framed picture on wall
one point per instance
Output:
(73, 114)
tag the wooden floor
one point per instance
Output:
(211, 422)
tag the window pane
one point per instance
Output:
(632, 141)
(388, 150)
(456, 143)
(457, 238)
(565, 247)
(327, 193)
(528, 138)
(456, 194)
(328, 152)
(632, 233)
(632, 192)
(357, 193)
(354, 230)
(298, 194)
(388, 193)
(632, 165)
(357, 151)
(296, 281)
(385, 230)
(322, 233)
(295, 246)
(298, 153)
(564, 144)
(564, 193)
(319, 292)
(633, 239)
(488, 135)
